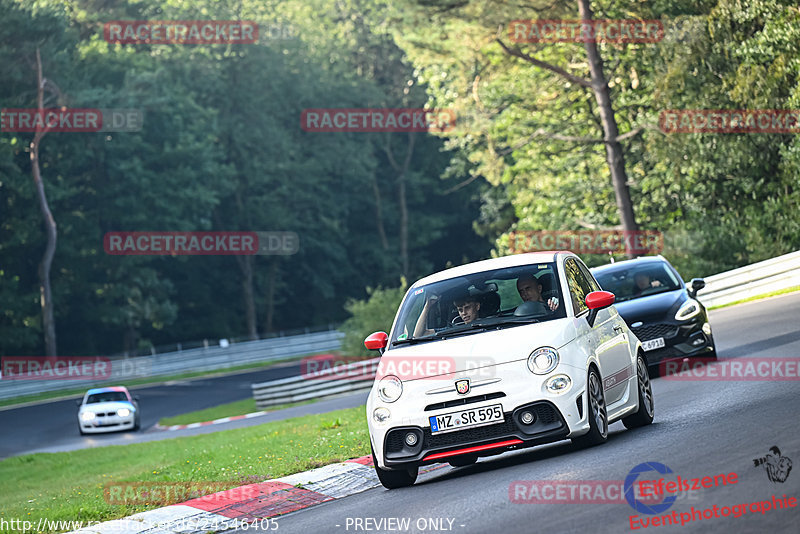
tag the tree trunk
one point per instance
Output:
(46, 294)
(271, 281)
(401, 194)
(614, 155)
(246, 266)
(379, 214)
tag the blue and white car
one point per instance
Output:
(499, 355)
(107, 410)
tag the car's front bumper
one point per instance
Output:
(681, 340)
(107, 424)
(548, 425)
(557, 416)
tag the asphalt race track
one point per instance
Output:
(53, 426)
(701, 428)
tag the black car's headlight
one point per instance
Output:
(688, 309)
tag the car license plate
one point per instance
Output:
(653, 344)
(467, 418)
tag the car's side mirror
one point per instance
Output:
(596, 301)
(78, 403)
(136, 398)
(696, 285)
(377, 341)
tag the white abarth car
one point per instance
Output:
(498, 355)
(108, 409)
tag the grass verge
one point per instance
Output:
(759, 297)
(223, 410)
(70, 485)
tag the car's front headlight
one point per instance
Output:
(87, 416)
(688, 309)
(558, 384)
(543, 361)
(123, 412)
(390, 388)
(381, 415)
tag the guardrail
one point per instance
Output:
(174, 363)
(752, 280)
(351, 378)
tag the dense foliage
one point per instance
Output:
(222, 149)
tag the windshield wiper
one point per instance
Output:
(412, 340)
(509, 321)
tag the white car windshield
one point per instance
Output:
(480, 301)
(107, 396)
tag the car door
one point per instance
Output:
(606, 338)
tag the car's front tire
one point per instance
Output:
(392, 479)
(644, 415)
(598, 414)
(713, 354)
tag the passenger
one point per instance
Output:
(530, 290)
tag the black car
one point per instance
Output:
(660, 309)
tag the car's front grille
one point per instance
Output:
(546, 413)
(463, 401)
(394, 441)
(469, 435)
(653, 331)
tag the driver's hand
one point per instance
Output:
(553, 303)
(655, 283)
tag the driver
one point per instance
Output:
(642, 281)
(530, 290)
(467, 307)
